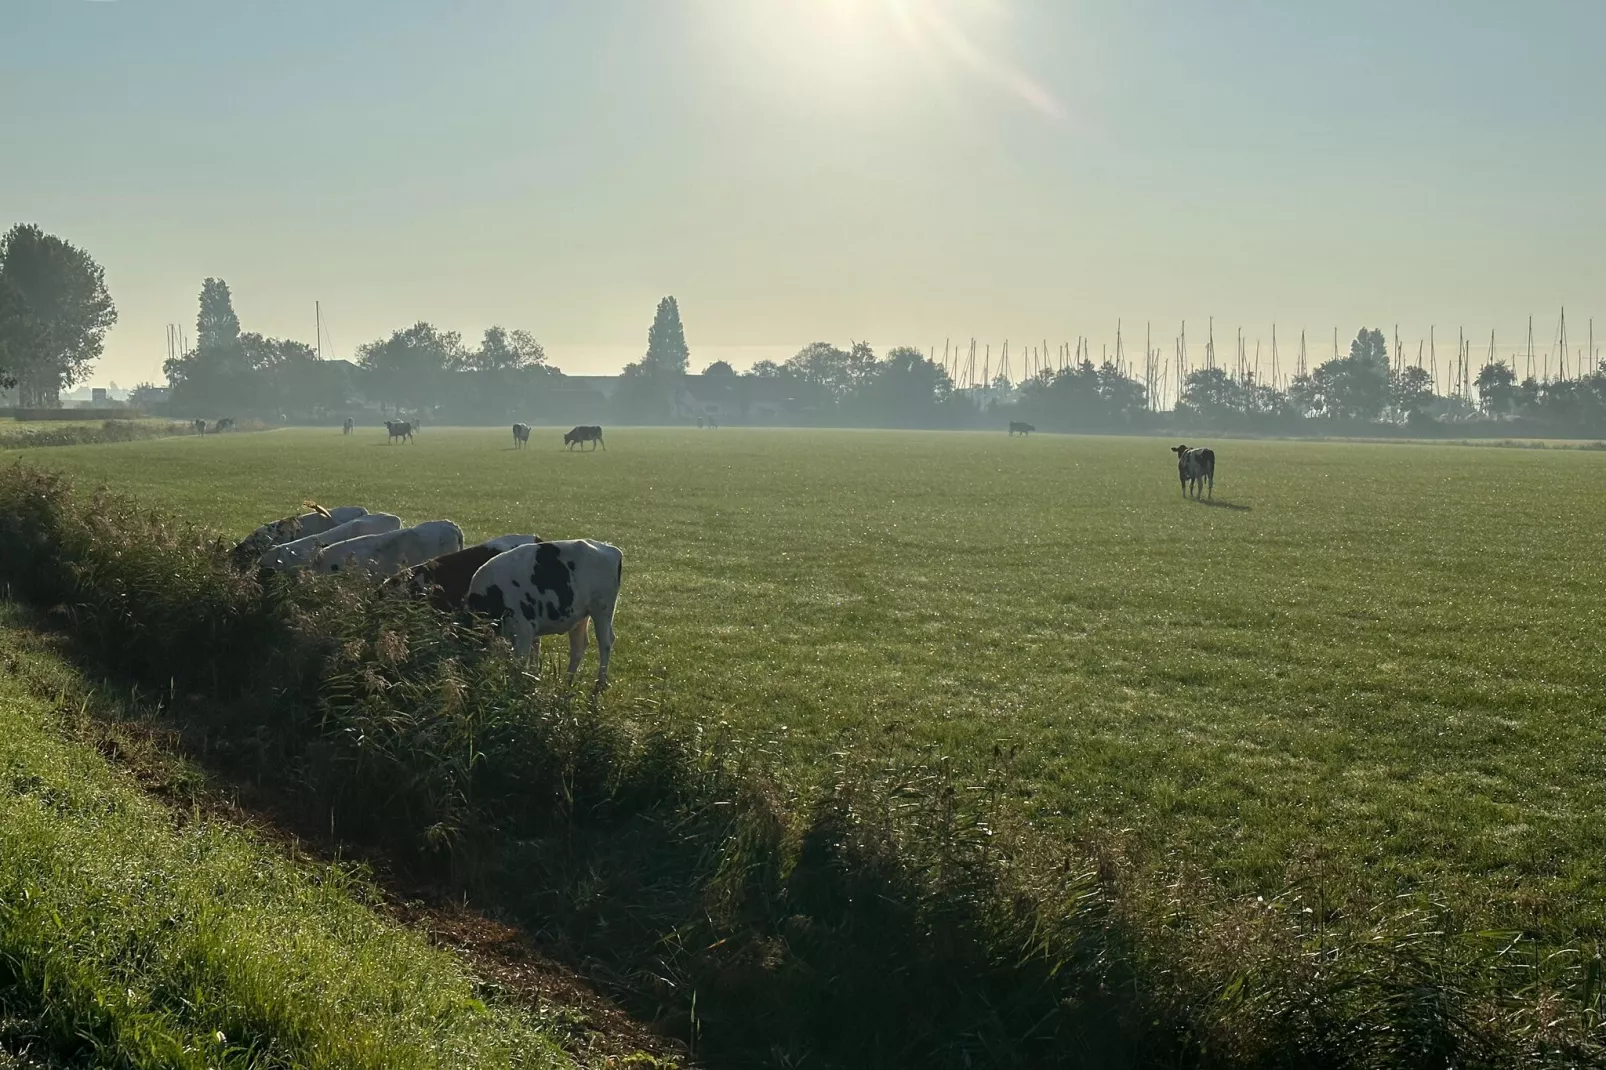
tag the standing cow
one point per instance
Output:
(200, 426)
(584, 433)
(521, 435)
(1016, 427)
(395, 429)
(1196, 467)
(548, 588)
(346, 428)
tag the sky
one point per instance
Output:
(896, 171)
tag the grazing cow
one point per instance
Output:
(550, 588)
(444, 581)
(389, 552)
(346, 428)
(200, 426)
(395, 429)
(1196, 467)
(1016, 427)
(300, 552)
(225, 424)
(521, 435)
(584, 433)
(265, 538)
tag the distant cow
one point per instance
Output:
(549, 588)
(1018, 428)
(1196, 467)
(521, 435)
(346, 428)
(278, 532)
(225, 424)
(444, 580)
(584, 433)
(395, 429)
(200, 426)
(300, 552)
(389, 552)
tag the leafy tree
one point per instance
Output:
(217, 328)
(1355, 387)
(903, 390)
(719, 367)
(1411, 393)
(1497, 389)
(765, 369)
(407, 368)
(502, 350)
(147, 397)
(54, 313)
(666, 341)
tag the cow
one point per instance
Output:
(389, 552)
(444, 580)
(1196, 467)
(200, 426)
(521, 435)
(225, 424)
(584, 433)
(1017, 427)
(347, 427)
(272, 534)
(395, 429)
(300, 552)
(548, 588)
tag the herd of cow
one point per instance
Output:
(530, 586)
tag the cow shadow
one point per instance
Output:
(1232, 507)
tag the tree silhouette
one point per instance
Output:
(666, 341)
(54, 313)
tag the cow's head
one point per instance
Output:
(1179, 451)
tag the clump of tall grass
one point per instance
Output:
(889, 916)
(88, 434)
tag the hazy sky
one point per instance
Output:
(890, 170)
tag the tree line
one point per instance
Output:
(1362, 390)
(55, 312)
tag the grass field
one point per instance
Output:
(132, 935)
(1365, 670)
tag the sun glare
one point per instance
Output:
(861, 52)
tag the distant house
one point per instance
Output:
(737, 399)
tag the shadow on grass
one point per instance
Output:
(684, 891)
(1216, 503)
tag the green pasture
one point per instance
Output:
(1364, 669)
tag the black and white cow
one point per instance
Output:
(521, 435)
(1196, 467)
(346, 428)
(395, 429)
(548, 588)
(584, 433)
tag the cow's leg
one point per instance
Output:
(603, 444)
(604, 623)
(578, 638)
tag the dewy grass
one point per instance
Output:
(952, 744)
(128, 938)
